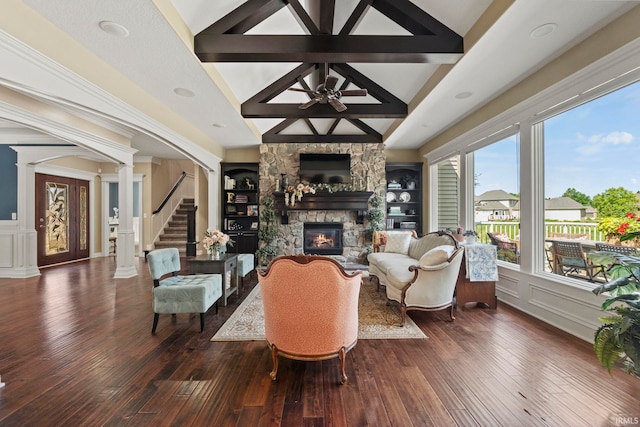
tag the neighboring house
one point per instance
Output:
(566, 209)
(496, 205)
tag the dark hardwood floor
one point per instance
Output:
(76, 349)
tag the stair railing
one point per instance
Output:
(182, 189)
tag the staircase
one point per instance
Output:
(174, 234)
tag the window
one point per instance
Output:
(448, 184)
(591, 174)
(496, 190)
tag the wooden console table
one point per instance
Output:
(226, 266)
(471, 287)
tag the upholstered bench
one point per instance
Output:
(180, 294)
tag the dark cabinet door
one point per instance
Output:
(244, 243)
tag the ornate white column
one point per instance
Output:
(25, 250)
(125, 254)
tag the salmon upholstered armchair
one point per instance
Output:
(310, 309)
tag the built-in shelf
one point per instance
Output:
(357, 201)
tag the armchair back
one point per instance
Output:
(310, 308)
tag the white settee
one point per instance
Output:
(419, 274)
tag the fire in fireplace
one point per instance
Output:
(322, 238)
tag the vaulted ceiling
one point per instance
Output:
(225, 67)
(323, 50)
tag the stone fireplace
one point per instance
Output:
(367, 175)
(322, 238)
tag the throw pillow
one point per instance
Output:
(436, 256)
(398, 243)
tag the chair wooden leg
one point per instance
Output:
(342, 356)
(451, 314)
(155, 322)
(274, 359)
(201, 322)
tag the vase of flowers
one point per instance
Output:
(470, 236)
(213, 242)
(293, 192)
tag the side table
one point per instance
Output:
(227, 264)
(478, 275)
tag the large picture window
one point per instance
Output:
(591, 181)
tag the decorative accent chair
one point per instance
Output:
(310, 309)
(180, 294)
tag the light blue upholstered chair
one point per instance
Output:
(180, 294)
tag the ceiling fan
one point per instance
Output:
(327, 93)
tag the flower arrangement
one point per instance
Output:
(468, 233)
(293, 192)
(214, 240)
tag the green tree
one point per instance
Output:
(579, 197)
(615, 202)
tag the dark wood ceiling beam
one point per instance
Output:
(328, 48)
(303, 17)
(327, 9)
(333, 127)
(354, 111)
(244, 17)
(374, 89)
(311, 127)
(364, 127)
(269, 138)
(282, 84)
(355, 17)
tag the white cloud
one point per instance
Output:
(597, 143)
(614, 138)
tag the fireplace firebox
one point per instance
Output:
(322, 238)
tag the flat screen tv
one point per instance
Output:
(318, 168)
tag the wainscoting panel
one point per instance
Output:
(7, 243)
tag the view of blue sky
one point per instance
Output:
(591, 148)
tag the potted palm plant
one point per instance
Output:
(618, 339)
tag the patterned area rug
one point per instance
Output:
(376, 319)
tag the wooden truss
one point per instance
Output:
(320, 50)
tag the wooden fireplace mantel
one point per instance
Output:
(357, 201)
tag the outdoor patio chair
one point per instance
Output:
(623, 250)
(507, 248)
(570, 258)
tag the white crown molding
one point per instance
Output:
(40, 154)
(65, 172)
(136, 120)
(96, 144)
(147, 159)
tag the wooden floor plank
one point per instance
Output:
(76, 349)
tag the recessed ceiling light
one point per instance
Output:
(113, 28)
(219, 125)
(463, 95)
(543, 30)
(181, 91)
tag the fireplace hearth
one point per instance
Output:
(322, 238)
